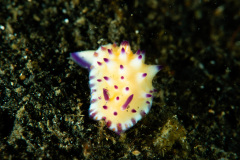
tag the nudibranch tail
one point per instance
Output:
(84, 58)
(120, 83)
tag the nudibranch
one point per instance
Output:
(120, 84)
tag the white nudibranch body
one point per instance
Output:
(120, 83)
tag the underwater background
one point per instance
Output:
(44, 95)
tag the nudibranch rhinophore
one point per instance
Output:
(120, 84)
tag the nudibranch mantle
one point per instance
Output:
(120, 84)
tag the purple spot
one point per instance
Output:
(103, 48)
(122, 77)
(144, 74)
(133, 121)
(155, 90)
(110, 51)
(150, 91)
(117, 98)
(115, 113)
(148, 95)
(99, 63)
(80, 60)
(143, 113)
(119, 127)
(134, 111)
(147, 102)
(109, 123)
(140, 57)
(92, 85)
(94, 90)
(91, 67)
(93, 100)
(106, 60)
(99, 98)
(105, 107)
(116, 87)
(114, 44)
(95, 54)
(106, 78)
(122, 51)
(105, 94)
(121, 66)
(93, 115)
(138, 52)
(159, 67)
(127, 88)
(99, 80)
(125, 105)
(124, 43)
(104, 118)
(91, 77)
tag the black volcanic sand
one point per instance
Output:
(45, 95)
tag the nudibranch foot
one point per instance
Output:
(120, 84)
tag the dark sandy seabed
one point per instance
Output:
(45, 95)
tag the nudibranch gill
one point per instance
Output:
(120, 84)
